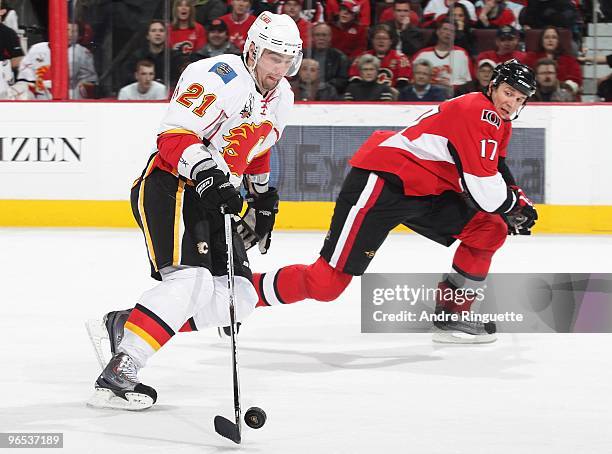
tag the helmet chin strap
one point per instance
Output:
(251, 69)
(518, 111)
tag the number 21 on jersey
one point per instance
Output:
(193, 92)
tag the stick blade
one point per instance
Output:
(227, 429)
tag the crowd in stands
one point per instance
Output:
(354, 50)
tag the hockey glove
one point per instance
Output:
(258, 221)
(523, 216)
(215, 190)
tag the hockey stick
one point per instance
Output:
(224, 426)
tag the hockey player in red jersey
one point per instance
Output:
(445, 177)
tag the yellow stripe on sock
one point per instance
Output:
(143, 219)
(143, 335)
(178, 222)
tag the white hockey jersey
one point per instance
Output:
(35, 68)
(216, 102)
(453, 68)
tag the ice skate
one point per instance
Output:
(118, 387)
(464, 332)
(110, 329)
(454, 324)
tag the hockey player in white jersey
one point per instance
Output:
(224, 116)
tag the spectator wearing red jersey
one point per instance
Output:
(185, 34)
(395, 68)
(347, 35)
(238, 22)
(332, 10)
(293, 9)
(405, 23)
(495, 14)
(451, 64)
(506, 43)
(436, 10)
(550, 46)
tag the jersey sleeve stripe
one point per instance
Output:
(214, 133)
(429, 147)
(214, 122)
(489, 193)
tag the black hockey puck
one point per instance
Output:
(255, 417)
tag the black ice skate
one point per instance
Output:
(118, 387)
(464, 332)
(109, 328)
(456, 326)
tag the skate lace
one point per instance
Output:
(128, 368)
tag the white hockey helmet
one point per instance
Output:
(278, 33)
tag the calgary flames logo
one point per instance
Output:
(243, 142)
(42, 73)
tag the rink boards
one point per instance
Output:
(72, 164)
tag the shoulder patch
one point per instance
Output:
(488, 116)
(224, 71)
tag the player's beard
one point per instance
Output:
(266, 83)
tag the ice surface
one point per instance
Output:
(325, 387)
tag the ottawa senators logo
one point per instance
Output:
(243, 141)
(491, 117)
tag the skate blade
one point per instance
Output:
(97, 334)
(105, 398)
(459, 337)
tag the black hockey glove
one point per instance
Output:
(216, 190)
(258, 221)
(523, 216)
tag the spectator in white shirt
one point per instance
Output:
(451, 64)
(145, 88)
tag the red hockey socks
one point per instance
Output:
(295, 283)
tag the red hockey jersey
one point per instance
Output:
(453, 147)
(394, 67)
(187, 40)
(237, 31)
